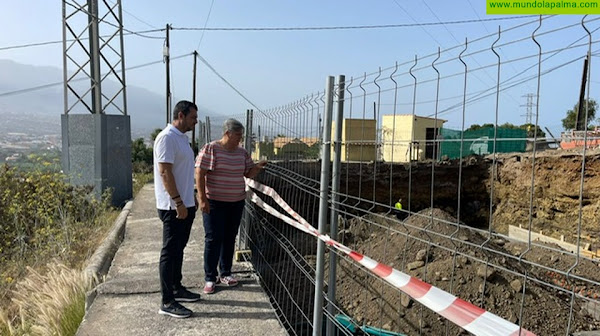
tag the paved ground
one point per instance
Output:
(127, 302)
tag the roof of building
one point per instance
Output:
(416, 116)
(282, 141)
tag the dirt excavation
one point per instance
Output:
(542, 302)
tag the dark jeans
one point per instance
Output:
(220, 229)
(176, 233)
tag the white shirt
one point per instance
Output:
(171, 146)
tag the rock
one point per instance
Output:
(516, 285)
(592, 310)
(462, 260)
(423, 255)
(405, 301)
(463, 237)
(487, 274)
(414, 265)
(499, 241)
(554, 258)
(461, 281)
(387, 326)
(445, 279)
(345, 236)
(587, 333)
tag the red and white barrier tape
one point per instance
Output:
(462, 313)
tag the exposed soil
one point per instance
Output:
(554, 210)
(555, 207)
(373, 302)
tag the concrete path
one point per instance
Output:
(127, 302)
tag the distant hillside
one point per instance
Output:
(146, 108)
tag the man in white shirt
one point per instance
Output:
(176, 204)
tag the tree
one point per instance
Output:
(527, 127)
(569, 122)
(154, 133)
(530, 130)
(475, 127)
(141, 156)
(508, 125)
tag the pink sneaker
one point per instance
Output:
(229, 281)
(209, 287)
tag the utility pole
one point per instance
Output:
(167, 58)
(194, 101)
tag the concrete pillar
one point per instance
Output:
(96, 151)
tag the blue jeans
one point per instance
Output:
(220, 229)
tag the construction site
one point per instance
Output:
(510, 253)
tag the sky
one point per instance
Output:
(273, 68)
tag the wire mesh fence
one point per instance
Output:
(498, 215)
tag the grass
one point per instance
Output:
(73, 315)
(49, 303)
(140, 179)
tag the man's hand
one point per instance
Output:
(204, 205)
(182, 212)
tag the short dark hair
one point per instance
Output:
(185, 107)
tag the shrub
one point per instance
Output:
(40, 214)
(42, 218)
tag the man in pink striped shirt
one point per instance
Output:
(220, 170)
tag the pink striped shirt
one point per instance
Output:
(226, 170)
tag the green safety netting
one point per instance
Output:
(481, 141)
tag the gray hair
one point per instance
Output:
(232, 125)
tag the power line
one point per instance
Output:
(239, 93)
(205, 23)
(140, 20)
(401, 25)
(455, 39)
(225, 80)
(415, 21)
(511, 85)
(45, 86)
(37, 44)
(141, 32)
(110, 23)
